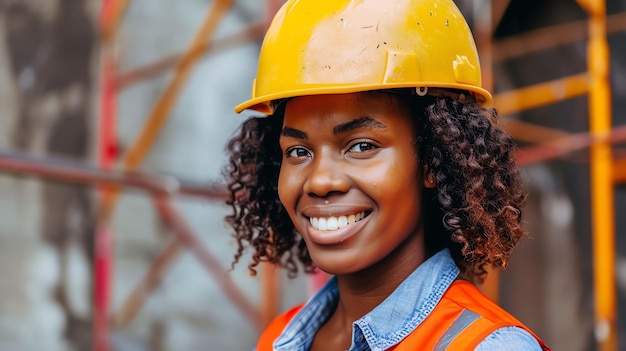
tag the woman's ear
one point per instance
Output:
(429, 178)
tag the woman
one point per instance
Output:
(378, 164)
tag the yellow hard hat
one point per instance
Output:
(344, 46)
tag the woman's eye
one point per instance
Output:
(297, 152)
(362, 147)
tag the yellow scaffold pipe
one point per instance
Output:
(602, 186)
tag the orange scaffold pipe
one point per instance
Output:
(165, 104)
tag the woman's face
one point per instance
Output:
(351, 181)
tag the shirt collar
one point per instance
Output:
(388, 323)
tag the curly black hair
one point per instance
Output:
(474, 210)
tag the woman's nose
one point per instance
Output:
(326, 176)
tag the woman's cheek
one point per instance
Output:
(286, 186)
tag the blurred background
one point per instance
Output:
(114, 116)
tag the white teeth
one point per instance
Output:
(334, 223)
(315, 223)
(351, 219)
(342, 222)
(323, 224)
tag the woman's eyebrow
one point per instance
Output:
(294, 133)
(362, 122)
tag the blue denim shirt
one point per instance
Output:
(397, 316)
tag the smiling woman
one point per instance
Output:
(357, 158)
(400, 186)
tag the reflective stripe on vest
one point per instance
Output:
(466, 318)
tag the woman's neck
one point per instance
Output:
(361, 292)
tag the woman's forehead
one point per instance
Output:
(354, 111)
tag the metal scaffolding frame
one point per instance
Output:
(548, 144)
(605, 173)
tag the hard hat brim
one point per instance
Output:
(263, 104)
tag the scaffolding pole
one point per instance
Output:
(602, 185)
(110, 16)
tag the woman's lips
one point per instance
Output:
(334, 230)
(335, 222)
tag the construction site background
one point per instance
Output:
(140, 94)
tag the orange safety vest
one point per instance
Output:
(461, 320)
